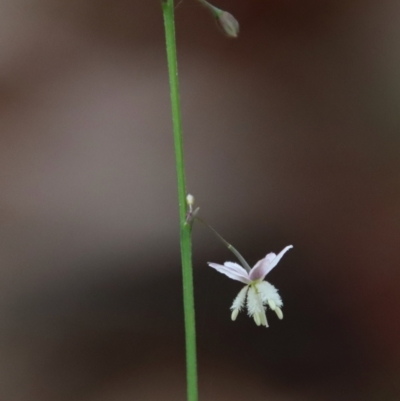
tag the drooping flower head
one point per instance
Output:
(259, 294)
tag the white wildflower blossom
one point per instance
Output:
(258, 295)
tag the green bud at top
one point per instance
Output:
(226, 21)
(229, 24)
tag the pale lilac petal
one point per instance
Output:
(232, 272)
(271, 256)
(256, 272)
(264, 266)
(277, 258)
(257, 265)
(237, 268)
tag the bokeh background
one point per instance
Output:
(292, 136)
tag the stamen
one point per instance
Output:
(264, 319)
(234, 315)
(272, 304)
(279, 313)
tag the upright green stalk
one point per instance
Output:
(185, 229)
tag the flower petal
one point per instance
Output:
(255, 307)
(232, 271)
(240, 298)
(236, 267)
(254, 302)
(264, 266)
(269, 293)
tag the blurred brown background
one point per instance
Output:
(292, 135)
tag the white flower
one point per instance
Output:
(260, 294)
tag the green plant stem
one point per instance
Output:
(185, 229)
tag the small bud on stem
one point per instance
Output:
(190, 201)
(226, 21)
(229, 24)
(191, 214)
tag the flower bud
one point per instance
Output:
(228, 23)
(190, 200)
(191, 214)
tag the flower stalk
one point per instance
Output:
(242, 260)
(185, 229)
